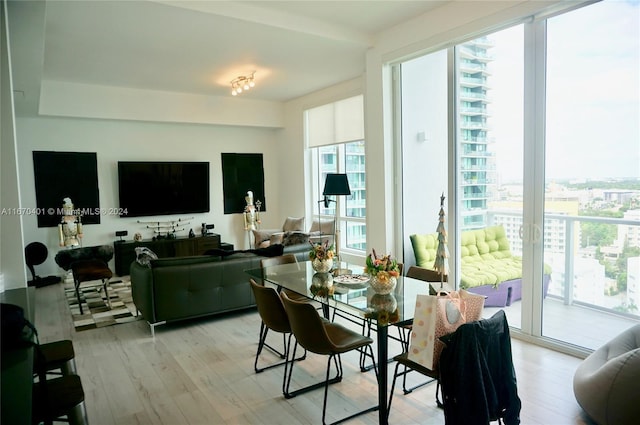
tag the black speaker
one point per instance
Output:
(121, 233)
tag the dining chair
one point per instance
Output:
(58, 398)
(473, 313)
(274, 318)
(276, 261)
(320, 336)
(404, 331)
(367, 327)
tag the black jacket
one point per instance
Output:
(477, 375)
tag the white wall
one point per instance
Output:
(12, 271)
(126, 141)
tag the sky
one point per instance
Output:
(593, 94)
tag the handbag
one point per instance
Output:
(436, 316)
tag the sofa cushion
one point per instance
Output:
(292, 224)
(276, 238)
(270, 251)
(260, 236)
(424, 248)
(324, 225)
(180, 261)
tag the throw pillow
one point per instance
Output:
(325, 226)
(292, 224)
(144, 256)
(262, 235)
(294, 238)
(276, 238)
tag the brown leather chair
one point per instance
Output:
(274, 318)
(426, 275)
(275, 261)
(367, 328)
(319, 336)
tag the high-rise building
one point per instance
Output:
(477, 163)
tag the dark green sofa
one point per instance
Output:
(179, 288)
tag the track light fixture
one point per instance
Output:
(242, 83)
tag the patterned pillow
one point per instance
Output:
(144, 256)
(294, 238)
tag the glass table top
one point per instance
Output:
(352, 295)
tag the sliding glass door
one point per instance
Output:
(544, 134)
(592, 164)
(489, 82)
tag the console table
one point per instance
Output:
(125, 251)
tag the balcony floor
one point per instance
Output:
(575, 324)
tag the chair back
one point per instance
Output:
(307, 326)
(427, 275)
(270, 307)
(275, 261)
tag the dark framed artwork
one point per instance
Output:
(242, 172)
(60, 175)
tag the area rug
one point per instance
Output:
(96, 310)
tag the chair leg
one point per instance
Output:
(289, 373)
(105, 285)
(77, 285)
(393, 385)
(78, 415)
(338, 361)
(262, 343)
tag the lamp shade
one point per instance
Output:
(336, 184)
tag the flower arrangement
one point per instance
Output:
(383, 268)
(321, 251)
(383, 317)
(383, 309)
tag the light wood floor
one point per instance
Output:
(201, 372)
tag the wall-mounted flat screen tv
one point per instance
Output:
(162, 188)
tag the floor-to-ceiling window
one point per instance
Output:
(564, 184)
(335, 136)
(592, 165)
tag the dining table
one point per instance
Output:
(351, 294)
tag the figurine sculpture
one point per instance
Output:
(70, 227)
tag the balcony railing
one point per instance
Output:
(578, 277)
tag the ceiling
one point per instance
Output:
(294, 47)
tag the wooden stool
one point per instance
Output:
(87, 270)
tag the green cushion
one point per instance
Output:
(485, 254)
(424, 248)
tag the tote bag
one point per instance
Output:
(438, 315)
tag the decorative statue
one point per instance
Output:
(251, 213)
(70, 227)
